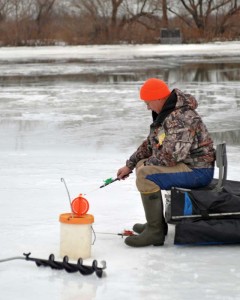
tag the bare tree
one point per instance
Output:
(3, 9)
(96, 12)
(18, 16)
(116, 4)
(146, 13)
(25, 20)
(164, 14)
(111, 17)
(200, 11)
(224, 16)
(43, 10)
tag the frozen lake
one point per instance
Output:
(74, 112)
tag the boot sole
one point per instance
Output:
(158, 244)
(138, 246)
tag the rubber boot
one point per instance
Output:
(138, 227)
(153, 233)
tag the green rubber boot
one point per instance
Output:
(153, 234)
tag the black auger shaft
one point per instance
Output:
(64, 265)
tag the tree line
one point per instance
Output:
(81, 22)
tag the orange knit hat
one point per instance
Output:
(154, 89)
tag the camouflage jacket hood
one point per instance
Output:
(185, 100)
(176, 100)
(177, 134)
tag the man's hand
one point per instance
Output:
(123, 172)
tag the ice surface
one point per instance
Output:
(83, 129)
(107, 52)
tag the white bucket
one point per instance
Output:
(75, 235)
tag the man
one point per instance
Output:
(177, 152)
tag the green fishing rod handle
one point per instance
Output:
(108, 181)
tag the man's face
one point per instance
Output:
(155, 105)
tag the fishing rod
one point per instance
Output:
(106, 183)
(109, 181)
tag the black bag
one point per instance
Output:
(206, 217)
(207, 232)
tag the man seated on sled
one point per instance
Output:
(178, 152)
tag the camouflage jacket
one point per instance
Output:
(177, 135)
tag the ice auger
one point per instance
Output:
(64, 265)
